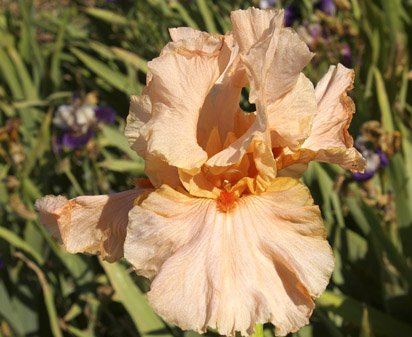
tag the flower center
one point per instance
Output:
(226, 201)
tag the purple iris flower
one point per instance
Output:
(326, 6)
(383, 157)
(291, 15)
(315, 30)
(78, 122)
(263, 4)
(376, 160)
(360, 177)
(105, 114)
(346, 55)
(73, 141)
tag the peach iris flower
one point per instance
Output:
(228, 234)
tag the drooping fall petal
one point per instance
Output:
(262, 261)
(89, 224)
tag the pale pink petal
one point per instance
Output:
(262, 261)
(89, 224)
(329, 136)
(181, 79)
(246, 37)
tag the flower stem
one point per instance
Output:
(258, 330)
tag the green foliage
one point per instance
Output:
(49, 51)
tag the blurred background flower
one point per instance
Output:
(79, 120)
(376, 146)
(327, 6)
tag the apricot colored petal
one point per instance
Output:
(265, 167)
(274, 63)
(234, 152)
(221, 105)
(250, 25)
(263, 261)
(291, 116)
(184, 33)
(139, 114)
(160, 172)
(222, 102)
(180, 81)
(193, 40)
(273, 57)
(89, 224)
(329, 135)
(198, 185)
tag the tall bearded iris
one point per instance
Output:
(228, 234)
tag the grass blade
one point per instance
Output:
(352, 312)
(19, 243)
(146, 321)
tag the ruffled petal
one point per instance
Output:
(184, 33)
(273, 57)
(275, 62)
(291, 116)
(252, 24)
(221, 106)
(180, 80)
(329, 136)
(262, 261)
(89, 224)
(277, 83)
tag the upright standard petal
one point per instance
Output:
(221, 105)
(250, 25)
(290, 117)
(329, 136)
(89, 224)
(274, 66)
(181, 79)
(264, 260)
